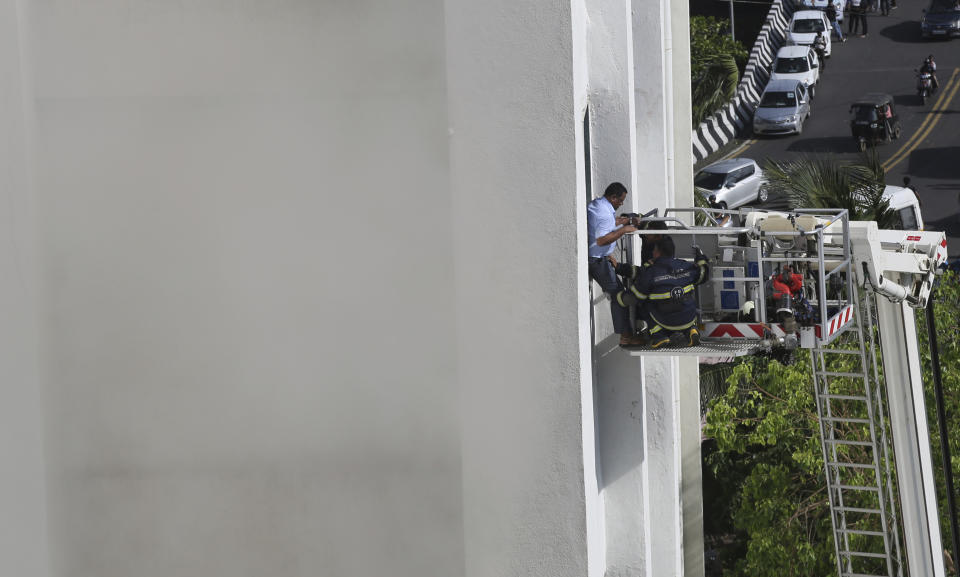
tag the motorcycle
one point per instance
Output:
(924, 86)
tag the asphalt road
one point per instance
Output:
(929, 148)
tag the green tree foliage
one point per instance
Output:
(768, 468)
(947, 319)
(822, 181)
(765, 498)
(715, 64)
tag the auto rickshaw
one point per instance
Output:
(874, 119)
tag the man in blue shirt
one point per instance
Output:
(604, 230)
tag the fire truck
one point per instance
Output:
(854, 313)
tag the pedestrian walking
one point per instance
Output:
(863, 22)
(885, 7)
(832, 18)
(854, 15)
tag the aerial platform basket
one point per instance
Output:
(843, 264)
(746, 248)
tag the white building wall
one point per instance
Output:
(249, 323)
(521, 285)
(23, 530)
(308, 293)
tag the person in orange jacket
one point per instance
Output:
(787, 283)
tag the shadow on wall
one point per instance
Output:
(620, 412)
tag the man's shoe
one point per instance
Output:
(629, 342)
(659, 341)
(693, 335)
(678, 340)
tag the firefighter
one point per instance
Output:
(664, 289)
(651, 231)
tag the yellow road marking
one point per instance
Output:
(928, 119)
(740, 149)
(949, 91)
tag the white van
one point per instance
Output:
(907, 206)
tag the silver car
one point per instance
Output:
(734, 182)
(783, 108)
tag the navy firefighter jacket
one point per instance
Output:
(664, 289)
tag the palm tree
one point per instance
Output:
(824, 182)
(714, 86)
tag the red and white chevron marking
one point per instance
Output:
(739, 331)
(941, 255)
(837, 322)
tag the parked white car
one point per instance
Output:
(734, 182)
(804, 27)
(822, 5)
(797, 63)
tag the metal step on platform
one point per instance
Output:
(704, 349)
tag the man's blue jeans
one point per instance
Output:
(836, 28)
(601, 270)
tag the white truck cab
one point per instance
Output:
(907, 206)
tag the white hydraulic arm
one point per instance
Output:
(880, 256)
(901, 267)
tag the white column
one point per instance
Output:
(625, 432)
(664, 161)
(681, 168)
(249, 324)
(521, 282)
(23, 527)
(610, 58)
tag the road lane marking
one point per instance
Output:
(928, 119)
(740, 149)
(945, 98)
(949, 91)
